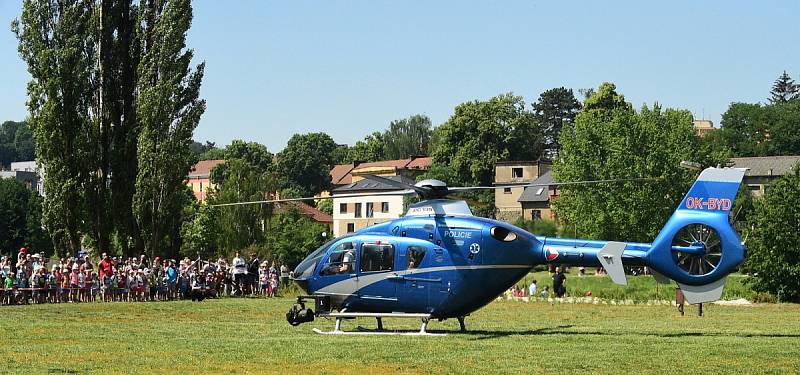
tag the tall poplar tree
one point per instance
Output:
(58, 41)
(168, 109)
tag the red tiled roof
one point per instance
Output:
(386, 164)
(420, 163)
(340, 174)
(312, 212)
(203, 168)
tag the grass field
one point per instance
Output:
(639, 288)
(251, 336)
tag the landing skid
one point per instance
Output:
(378, 333)
(423, 331)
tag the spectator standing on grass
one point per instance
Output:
(532, 289)
(284, 275)
(8, 285)
(252, 273)
(559, 279)
(239, 273)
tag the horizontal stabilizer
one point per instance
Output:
(661, 279)
(610, 257)
(703, 293)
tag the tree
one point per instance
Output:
(407, 137)
(199, 234)
(294, 236)
(16, 143)
(610, 140)
(372, 148)
(761, 130)
(21, 219)
(774, 247)
(481, 133)
(58, 42)
(745, 129)
(306, 162)
(554, 109)
(168, 108)
(784, 89)
(245, 176)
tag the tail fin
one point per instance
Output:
(698, 247)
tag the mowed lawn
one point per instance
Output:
(249, 335)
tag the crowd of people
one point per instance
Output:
(33, 279)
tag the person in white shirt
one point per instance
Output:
(532, 289)
(239, 271)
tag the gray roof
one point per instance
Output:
(369, 185)
(766, 165)
(537, 193)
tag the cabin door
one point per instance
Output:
(377, 287)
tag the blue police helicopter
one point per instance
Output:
(440, 262)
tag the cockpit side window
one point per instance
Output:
(341, 260)
(415, 255)
(377, 257)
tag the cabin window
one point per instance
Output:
(342, 208)
(536, 215)
(506, 190)
(384, 207)
(342, 260)
(358, 209)
(377, 257)
(516, 172)
(503, 234)
(370, 209)
(415, 255)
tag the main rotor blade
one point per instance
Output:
(353, 195)
(402, 185)
(503, 186)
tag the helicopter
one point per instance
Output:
(439, 261)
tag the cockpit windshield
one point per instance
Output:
(306, 268)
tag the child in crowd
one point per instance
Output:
(263, 278)
(9, 284)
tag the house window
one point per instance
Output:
(377, 257)
(506, 190)
(370, 209)
(516, 172)
(351, 227)
(536, 215)
(384, 207)
(358, 210)
(342, 208)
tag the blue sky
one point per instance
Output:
(348, 68)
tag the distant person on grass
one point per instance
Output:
(559, 279)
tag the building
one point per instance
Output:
(352, 214)
(535, 200)
(199, 178)
(506, 200)
(31, 166)
(761, 171)
(30, 179)
(703, 127)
